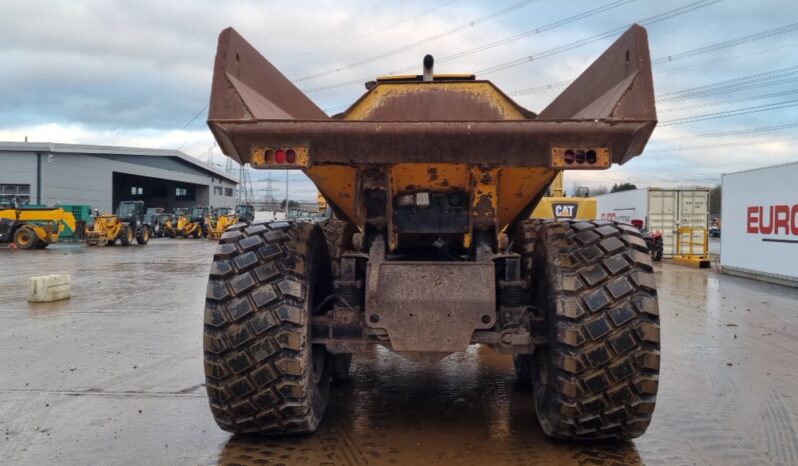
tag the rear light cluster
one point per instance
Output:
(580, 156)
(282, 157)
(585, 158)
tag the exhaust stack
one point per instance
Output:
(428, 64)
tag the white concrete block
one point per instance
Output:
(49, 288)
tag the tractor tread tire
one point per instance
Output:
(597, 293)
(22, 231)
(144, 237)
(258, 362)
(126, 236)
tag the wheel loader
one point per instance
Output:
(431, 179)
(126, 226)
(245, 212)
(28, 227)
(194, 225)
(174, 222)
(219, 220)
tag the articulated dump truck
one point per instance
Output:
(430, 249)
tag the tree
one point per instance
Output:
(291, 205)
(616, 188)
(714, 200)
(599, 190)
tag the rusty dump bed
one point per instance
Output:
(444, 128)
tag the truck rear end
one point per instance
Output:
(431, 180)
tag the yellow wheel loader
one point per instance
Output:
(28, 227)
(174, 223)
(193, 225)
(221, 219)
(431, 180)
(126, 226)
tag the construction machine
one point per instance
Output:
(193, 224)
(155, 218)
(219, 220)
(431, 179)
(127, 225)
(245, 213)
(28, 227)
(173, 223)
(555, 204)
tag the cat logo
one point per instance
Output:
(565, 210)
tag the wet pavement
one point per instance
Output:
(114, 376)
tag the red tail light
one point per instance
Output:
(279, 156)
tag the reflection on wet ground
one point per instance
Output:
(466, 409)
(114, 376)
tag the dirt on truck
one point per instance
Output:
(431, 180)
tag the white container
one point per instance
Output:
(663, 210)
(759, 233)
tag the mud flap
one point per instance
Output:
(431, 306)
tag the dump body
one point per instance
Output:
(449, 135)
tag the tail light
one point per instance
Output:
(580, 157)
(280, 157)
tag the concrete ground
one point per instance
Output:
(114, 376)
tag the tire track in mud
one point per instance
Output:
(780, 432)
(707, 433)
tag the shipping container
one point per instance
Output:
(760, 223)
(660, 209)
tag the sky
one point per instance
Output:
(138, 73)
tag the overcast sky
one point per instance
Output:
(138, 73)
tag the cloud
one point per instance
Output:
(134, 73)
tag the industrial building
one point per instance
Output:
(102, 176)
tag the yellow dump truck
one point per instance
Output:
(28, 227)
(431, 180)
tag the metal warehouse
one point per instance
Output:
(102, 176)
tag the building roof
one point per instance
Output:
(60, 148)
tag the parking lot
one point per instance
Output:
(114, 376)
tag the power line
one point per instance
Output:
(531, 32)
(742, 82)
(727, 101)
(473, 23)
(369, 34)
(608, 34)
(503, 66)
(731, 113)
(680, 56)
(720, 146)
(739, 132)
(729, 43)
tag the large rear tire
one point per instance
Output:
(262, 373)
(593, 285)
(25, 238)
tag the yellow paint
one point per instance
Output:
(517, 187)
(585, 208)
(414, 77)
(428, 177)
(45, 223)
(478, 90)
(338, 183)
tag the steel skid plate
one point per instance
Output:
(431, 306)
